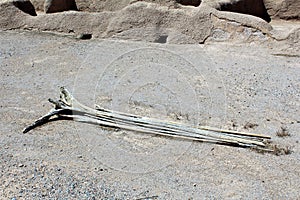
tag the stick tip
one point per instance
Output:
(26, 130)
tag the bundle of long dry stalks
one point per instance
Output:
(68, 107)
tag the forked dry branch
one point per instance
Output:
(68, 107)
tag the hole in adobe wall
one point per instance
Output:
(251, 7)
(189, 2)
(162, 39)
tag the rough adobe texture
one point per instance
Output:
(153, 22)
(283, 9)
(104, 5)
(195, 25)
(142, 21)
(8, 7)
(11, 15)
(38, 5)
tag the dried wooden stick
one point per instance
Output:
(68, 106)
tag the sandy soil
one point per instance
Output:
(221, 85)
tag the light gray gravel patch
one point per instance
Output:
(226, 85)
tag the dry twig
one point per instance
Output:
(68, 107)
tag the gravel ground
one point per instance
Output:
(243, 87)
